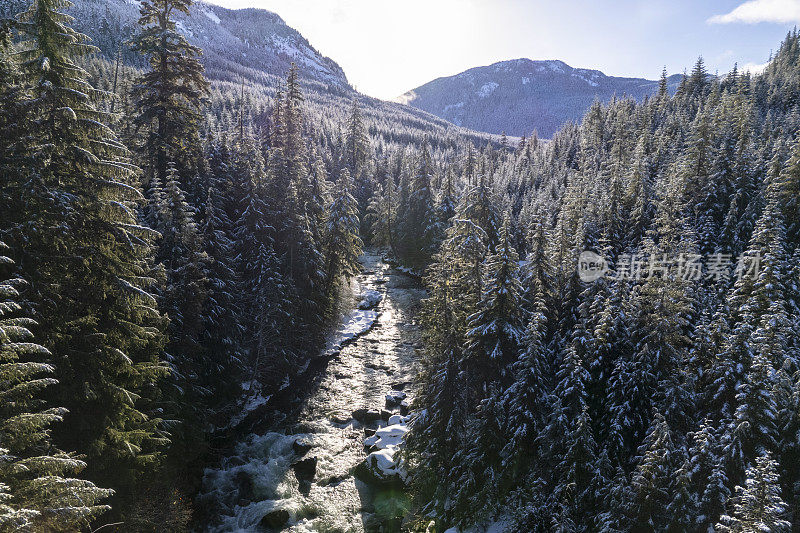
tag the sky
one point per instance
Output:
(387, 47)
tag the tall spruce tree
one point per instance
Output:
(758, 506)
(343, 244)
(88, 260)
(169, 93)
(36, 492)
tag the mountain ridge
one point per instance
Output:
(519, 96)
(236, 43)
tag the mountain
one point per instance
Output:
(248, 43)
(522, 95)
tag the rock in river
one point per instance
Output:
(305, 469)
(275, 519)
(365, 416)
(301, 446)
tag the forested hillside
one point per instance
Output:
(660, 397)
(172, 248)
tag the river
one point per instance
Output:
(296, 474)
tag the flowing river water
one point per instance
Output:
(295, 470)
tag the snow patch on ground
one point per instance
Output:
(389, 437)
(252, 400)
(457, 105)
(395, 397)
(181, 27)
(358, 322)
(500, 525)
(211, 15)
(525, 80)
(383, 465)
(589, 81)
(301, 54)
(487, 89)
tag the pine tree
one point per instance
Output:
(496, 329)
(788, 185)
(382, 214)
(264, 291)
(168, 95)
(183, 300)
(653, 479)
(356, 142)
(88, 260)
(291, 210)
(528, 396)
(343, 244)
(571, 448)
(13, 120)
(708, 476)
(753, 429)
(222, 331)
(35, 492)
(420, 231)
(757, 506)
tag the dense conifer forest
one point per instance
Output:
(170, 244)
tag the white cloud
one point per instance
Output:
(754, 11)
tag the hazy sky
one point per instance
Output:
(387, 47)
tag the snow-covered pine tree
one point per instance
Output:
(287, 194)
(496, 329)
(528, 397)
(420, 231)
(36, 490)
(448, 199)
(757, 506)
(342, 244)
(355, 158)
(222, 327)
(570, 448)
(708, 475)
(653, 480)
(264, 291)
(169, 93)
(88, 260)
(382, 214)
(183, 299)
(12, 123)
(788, 184)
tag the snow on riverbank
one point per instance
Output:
(498, 526)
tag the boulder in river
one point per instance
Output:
(370, 298)
(365, 416)
(397, 419)
(305, 469)
(393, 398)
(301, 446)
(244, 484)
(340, 418)
(405, 407)
(380, 468)
(275, 519)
